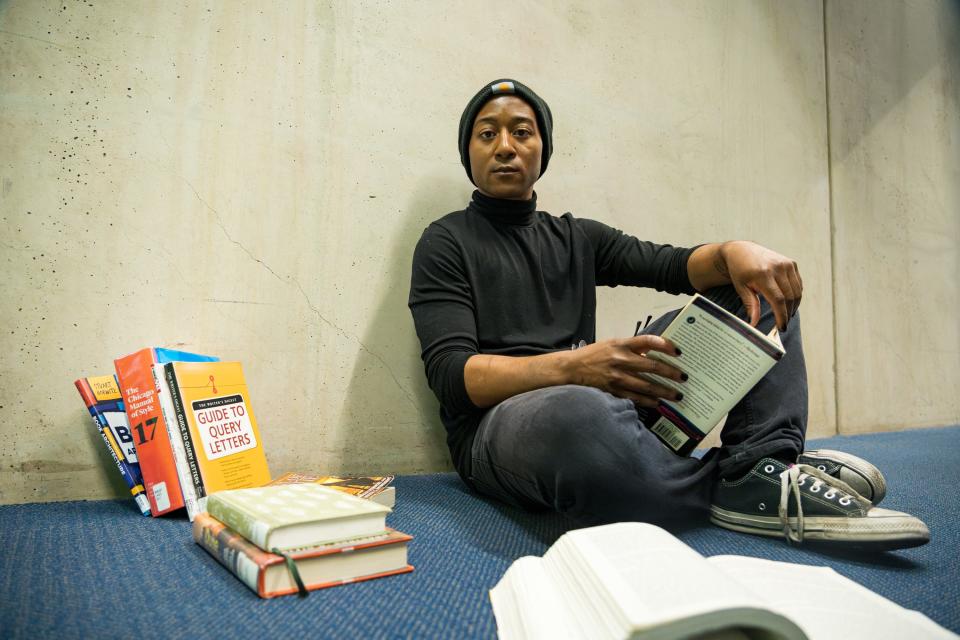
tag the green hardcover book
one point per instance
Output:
(296, 515)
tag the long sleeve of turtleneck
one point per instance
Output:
(443, 310)
(621, 259)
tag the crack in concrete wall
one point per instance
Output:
(288, 280)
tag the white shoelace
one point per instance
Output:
(790, 482)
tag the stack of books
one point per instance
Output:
(181, 431)
(294, 538)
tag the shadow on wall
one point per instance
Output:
(390, 422)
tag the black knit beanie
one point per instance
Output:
(494, 90)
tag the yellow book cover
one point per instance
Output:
(221, 446)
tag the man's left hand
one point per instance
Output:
(757, 271)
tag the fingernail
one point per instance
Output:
(684, 377)
(679, 397)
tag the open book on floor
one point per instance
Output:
(635, 580)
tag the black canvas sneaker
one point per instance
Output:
(803, 503)
(865, 478)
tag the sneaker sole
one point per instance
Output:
(872, 478)
(896, 532)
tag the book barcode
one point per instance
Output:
(160, 496)
(142, 503)
(669, 433)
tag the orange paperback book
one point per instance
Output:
(150, 437)
(329, 565)
(216, 442)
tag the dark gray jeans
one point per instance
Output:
(586, 453)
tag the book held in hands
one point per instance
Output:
(636, 580)
(723, 357)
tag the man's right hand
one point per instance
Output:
(615, 367)
(610, 365)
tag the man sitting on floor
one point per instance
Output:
(500, 293)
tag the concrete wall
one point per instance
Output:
(249, 179)
(894, 87)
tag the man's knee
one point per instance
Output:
(578, 430)
(571, 414)
(539, 427)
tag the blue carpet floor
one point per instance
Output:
(96, 569)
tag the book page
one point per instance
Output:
(826, 604)
(723, 357)
(646, 577)
(527, 605)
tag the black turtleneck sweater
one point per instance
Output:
(503, 278)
